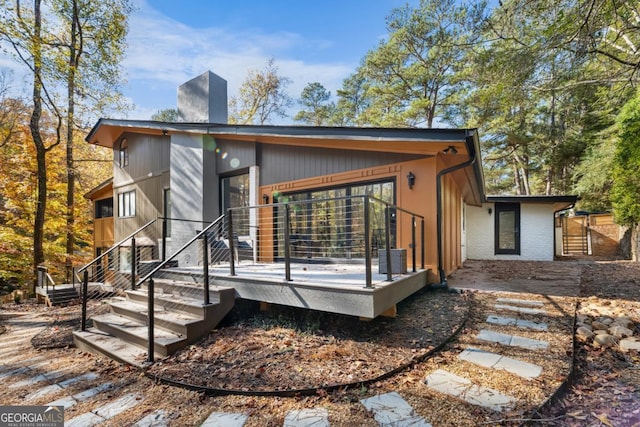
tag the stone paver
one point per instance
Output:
(316, 417)
(391, 409)
(525, 310)
(47, 376)
(224, 419)
(521, 302)
(512, 340)
(53, 388)
(69, 401)
(497, 361)
(155, 419)
(106, 412)
(520, 323)
(462, 388)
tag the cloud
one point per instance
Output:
(163, 53)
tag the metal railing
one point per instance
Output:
(114, 270)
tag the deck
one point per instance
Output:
(335, 287)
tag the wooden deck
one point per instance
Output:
(335, 288)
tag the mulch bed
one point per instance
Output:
(289, 349)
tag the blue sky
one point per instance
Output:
(172, 41)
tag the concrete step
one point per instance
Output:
(173, 321)
(136, 333)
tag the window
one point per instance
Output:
(507, 228)
(127, 204)
(123, 153)
(104, 208)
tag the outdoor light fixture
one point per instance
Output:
(265, 199)
(490, 211)
(165, 132)
(450, 150)
(411, 179)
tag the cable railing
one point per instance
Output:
(359, 230)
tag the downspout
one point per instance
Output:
(443, 278)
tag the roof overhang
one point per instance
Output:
(559, 202)
(406, 140)
(99, 188)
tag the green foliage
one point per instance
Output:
(625, 192)
(317, 110)
(166, 115)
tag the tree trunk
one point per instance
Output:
(34, 127)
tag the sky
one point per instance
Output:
(171, 42)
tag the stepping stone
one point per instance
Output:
(517, 309)
(155, 419)
(317, 417)
(521, 302)
(391, 409)
(497, 361)
(462, 388)
(512, 340)
(105, 412)
(520, 323)
(70, 401)
(60, 386)
(224, 419)
(41, 377)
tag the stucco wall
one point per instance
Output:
(536, 233)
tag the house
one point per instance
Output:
(408, 200)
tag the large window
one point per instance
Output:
(333, 224)
(104, 208)
(235, 192)
(127, 204)
(507, 228)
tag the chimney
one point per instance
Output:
(203, 99)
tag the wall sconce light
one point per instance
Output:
(165, 132)
(490, 211)
(265, 199)
(450, 150)
(411, 180)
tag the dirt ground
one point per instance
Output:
(285, 350)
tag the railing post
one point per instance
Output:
(367, 243)
(150, 320)
(133, 263)
(232, 265)
(413, 242)
(85, 287)
(387, 241)
(164, 239)
(422, 242)
(205, 266)
(287, 241)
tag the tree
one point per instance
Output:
(166, 115)
(92, 39)
(262, 96)
(625, 192)
(317, 110)
(352, 101)
(413, 75)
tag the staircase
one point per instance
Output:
(58, 295)
(180, 319)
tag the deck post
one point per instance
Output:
(164, 239)
(205, 266)
(232, 265)
(387, 241)
(422, 241)
(287, 241)
(133, 263)
(85, 287)
(150, 320)
(367, 242)
(413, 242)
